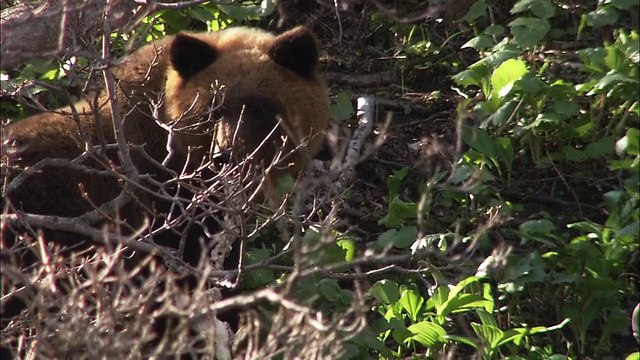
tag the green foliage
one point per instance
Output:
(412, 321)
(342, 107)
(530, 110)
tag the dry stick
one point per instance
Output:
(365, 114)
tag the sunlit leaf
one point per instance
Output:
(427, 333)
(386, 291)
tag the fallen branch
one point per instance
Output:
(366, 118)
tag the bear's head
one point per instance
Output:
(243, 94)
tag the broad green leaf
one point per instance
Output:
(427, 333)
(611, 79)
(489, 334)
(462, 284)
(462, 339)
(202, 13)
(600, 148)
(531, 84)
(258, 277)
(479, 42)
(614, 198)
(573, 154)
(386, 291)
(486, 318)
(528, 32)
(629, 144)
(622, 4)
(463, 303)
(604, 15)
(411, 302)
(507, 153)
(494, 60)
(479, 140)
(566, 108)
(542, 227)
(401, 335)
(541, 8)
(394, 181)
(468, 77)
(349, 246)
(330, 289)
(477, 10)
(506, 75)
(494, 30)
(501, 115)
(405, 237)
(342, 107)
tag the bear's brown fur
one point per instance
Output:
(266, 81)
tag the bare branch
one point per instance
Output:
(59, 26)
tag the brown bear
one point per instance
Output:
(219, 94)
(183, 101)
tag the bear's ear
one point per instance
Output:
(190, 55)
(296, 50)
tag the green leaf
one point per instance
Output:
(629, 144)
(427, 333)
(330, 289)
(622, 4)
(501, 115)
(543, 9)
(600, 148)
(468, 77)
(507, 153)
(530, 84)
(258, 277)
(399, 212)
(394, 182)
(633, 356)
(506, 75)
(489, 334)
(385, 291)
(461, 339)
(494, 30)
(573, 154)
(541, 227)
(385, 239)
(486, 318)
(411, 301)
(605, 15)
(463, 303)
(477, 10)
(349, 246)
(479, 140)
(342, 107)
(528, 32)
(405, 237)
(611, 79)
(202, 13)
(479, 42)
(401, 334)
